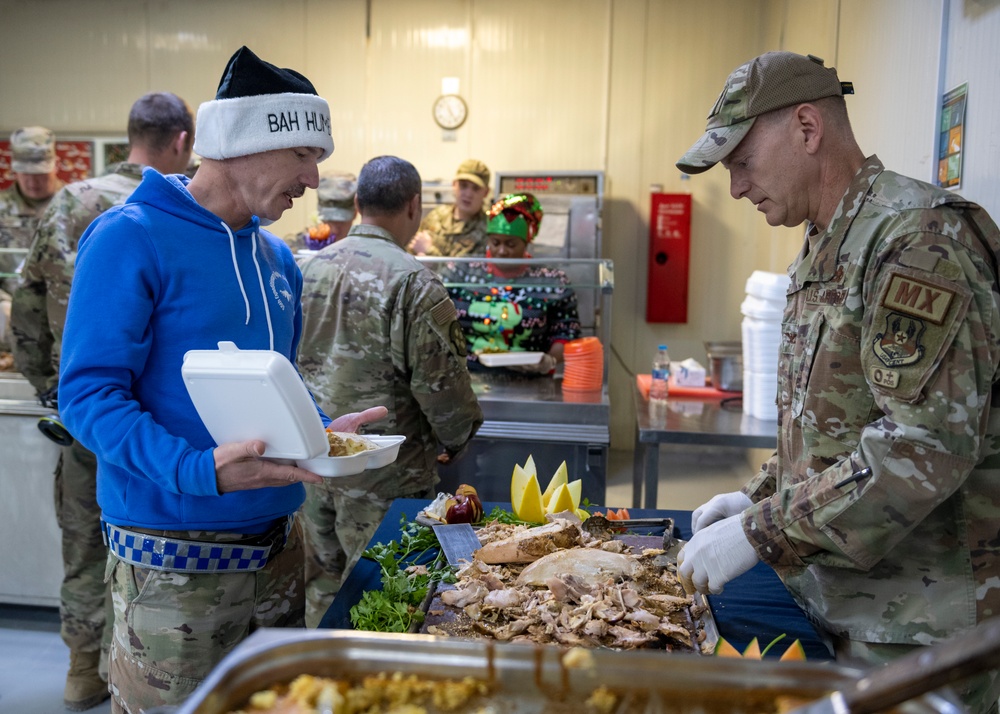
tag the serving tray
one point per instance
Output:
(444, 619)
(525, 679)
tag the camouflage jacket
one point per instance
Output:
(881, 506)
(379, 329)
(452, 237)
(18, 219)
(39, 310)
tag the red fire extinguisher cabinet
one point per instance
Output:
(669, 256)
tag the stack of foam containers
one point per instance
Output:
(762, 312)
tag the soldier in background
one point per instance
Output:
(378, 328)
(336, 212)
(160, 135)
(457, 229)
(33, 162)
(881, 506)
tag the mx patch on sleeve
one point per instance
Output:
(915, 322)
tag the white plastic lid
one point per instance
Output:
(770, 286)
(254, 394)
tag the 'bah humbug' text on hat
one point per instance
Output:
(773, 80)
(259, 107)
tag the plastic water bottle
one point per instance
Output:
(661, 373)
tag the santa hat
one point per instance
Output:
(259, 107)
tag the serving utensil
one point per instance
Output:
(601, 527)
(921, 671)
(458, 541)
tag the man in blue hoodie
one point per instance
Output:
(183, 265)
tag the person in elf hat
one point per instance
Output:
(520, 307)
(204, 541)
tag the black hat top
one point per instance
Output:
(247, 75)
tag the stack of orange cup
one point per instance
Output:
(583, 365)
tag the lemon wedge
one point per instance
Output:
(560, 478)
(562, 500)
(527, 504)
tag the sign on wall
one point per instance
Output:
(951, 137)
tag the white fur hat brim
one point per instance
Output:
(227, 128)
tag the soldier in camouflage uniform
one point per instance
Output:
(335, 212)
(33, 163)
(160, 132)
(379, 329)
(457, 229)
(881, 506)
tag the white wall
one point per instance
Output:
(622, 86)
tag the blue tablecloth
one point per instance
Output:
(756, 604)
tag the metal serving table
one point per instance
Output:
(710, 424)
(31, 560)
(533, 416)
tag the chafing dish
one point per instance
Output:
(526, 679)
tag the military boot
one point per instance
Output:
(84, 686)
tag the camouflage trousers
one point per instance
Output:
(171, 629)
(85, 599)
(338, 524)
(979, 693)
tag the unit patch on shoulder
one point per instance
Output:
(918, 299)
(910, 329)
(458, 339)
(898, 343)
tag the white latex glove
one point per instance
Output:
(716, 555)
(722, 506)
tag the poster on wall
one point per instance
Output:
(74, 161)
(951, 137)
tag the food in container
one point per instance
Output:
(379, 451)
(346, 444)
(527, 679)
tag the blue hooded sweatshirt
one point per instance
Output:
(154, 278)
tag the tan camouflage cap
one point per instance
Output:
(33, 150)
(474, 170)
(771, 81)
(336, 196)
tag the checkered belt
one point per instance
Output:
(189, 556)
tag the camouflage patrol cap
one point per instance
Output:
(474, 170)
(771, 81)
(33, 150)
(336, 196)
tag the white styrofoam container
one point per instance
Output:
(258, 394)
(387, 451)
(333, 466)
(770, 286)
(254, 394)
(508, 359)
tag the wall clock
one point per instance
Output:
(450, 111)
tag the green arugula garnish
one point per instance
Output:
(396, 607)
